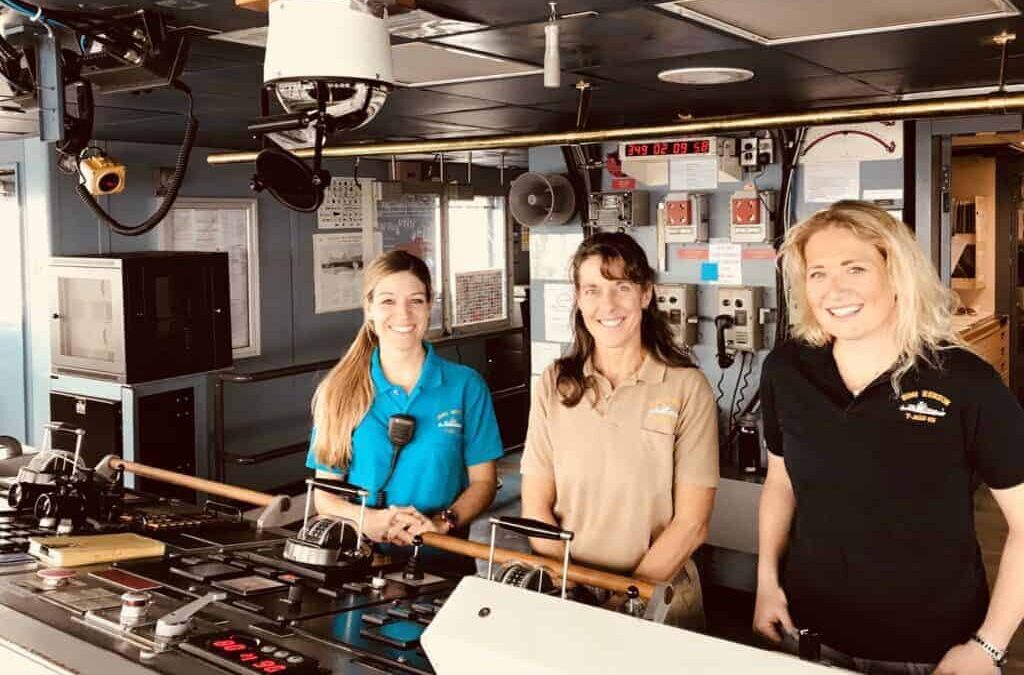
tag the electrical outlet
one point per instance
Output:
(749, 152)
(765, 151)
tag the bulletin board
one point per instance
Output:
(230, 225)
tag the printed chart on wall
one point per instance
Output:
(558, 312)
(479, 297)
(551, 253)
(348, 204)
(339, 257)
(337, 271)
(408, 223)
(222, 224)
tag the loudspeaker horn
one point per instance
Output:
(542, 199)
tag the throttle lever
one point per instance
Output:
(531, 528)
(176, 623)
(341, 487)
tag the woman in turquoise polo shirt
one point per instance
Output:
(446, 475)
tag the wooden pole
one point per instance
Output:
(472, 549)
(201, 484)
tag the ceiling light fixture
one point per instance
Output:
(552, 63)
(705, 75)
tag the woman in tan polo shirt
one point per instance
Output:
(622, 445)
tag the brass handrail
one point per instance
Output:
(999, 103)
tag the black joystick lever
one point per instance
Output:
(400, 432)
(809, 645)
(295, 594)
(413, 570)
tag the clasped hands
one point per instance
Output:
(399, 524)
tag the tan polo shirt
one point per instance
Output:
(615, 460)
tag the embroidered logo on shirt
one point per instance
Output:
(450, 421)
(666, 409)
(924, 406)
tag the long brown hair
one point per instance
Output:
(655, 333)
(343, 397)
(924, 307)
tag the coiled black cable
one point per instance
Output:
(177, 178)
(742, 388)
(718, 387)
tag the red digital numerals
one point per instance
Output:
(700, 147)
(269, 666)
(252, 659)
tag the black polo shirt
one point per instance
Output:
(883, 559)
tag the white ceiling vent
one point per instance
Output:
(800, 20)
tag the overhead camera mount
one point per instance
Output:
(339, 86)
(278, 171)
(125, 53)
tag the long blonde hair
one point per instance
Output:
(344, 397)
(924, 307)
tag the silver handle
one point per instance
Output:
(176, 623)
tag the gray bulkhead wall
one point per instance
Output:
(887, 174)
(258, 416)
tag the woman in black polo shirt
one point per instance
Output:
(876, 418)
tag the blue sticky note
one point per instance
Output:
(709, 271)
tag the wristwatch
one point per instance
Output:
(998, 655)
(451, 518)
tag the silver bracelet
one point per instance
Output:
(998, 655)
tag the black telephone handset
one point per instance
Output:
(725, 358)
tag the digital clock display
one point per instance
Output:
(697, 146)
(250, 655)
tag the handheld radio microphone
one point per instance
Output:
(725, 358)
(400, 432)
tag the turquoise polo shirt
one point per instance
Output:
(455, 429)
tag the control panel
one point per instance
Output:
(741, 332)
(751, 216)
(678, 302)
(684, 217)
(630, 208)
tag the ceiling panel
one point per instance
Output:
(527, 90)
(506, 119)
(497, 12)
(790, 20)
(768, 66)
(938, 48)
(110, 116)
(611, 38)
(417, 102)
(407, 126)
(229, 80)
(203, 49)
(215, 133)
(620, 52)
(984, 73)
(221, 15)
